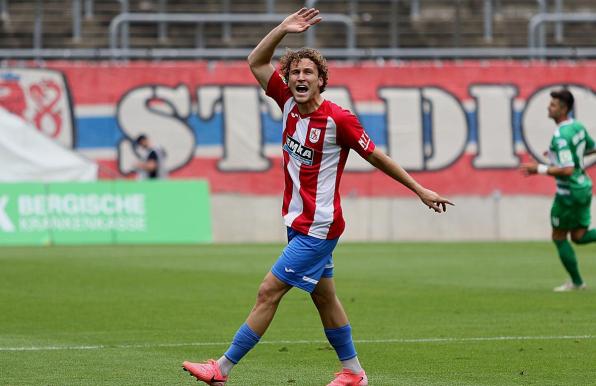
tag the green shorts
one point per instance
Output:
(571, 211)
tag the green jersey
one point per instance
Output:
(567, 149)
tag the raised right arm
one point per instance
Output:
(259, 59)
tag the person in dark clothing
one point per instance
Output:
(152, 166)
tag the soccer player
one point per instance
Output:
(317, 136)
(570, 211)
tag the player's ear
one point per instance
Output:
(320, 82)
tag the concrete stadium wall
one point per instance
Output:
(238, 218)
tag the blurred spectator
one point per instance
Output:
(152, 166)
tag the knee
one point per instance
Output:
(322, 299)
(268, 294)
(576, 239)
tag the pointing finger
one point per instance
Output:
(444, 201)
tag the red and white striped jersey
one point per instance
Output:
(315, 150)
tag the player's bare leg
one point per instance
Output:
(269, 295)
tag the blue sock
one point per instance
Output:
(341, 340)
(244, 340)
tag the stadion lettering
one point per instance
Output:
(471, 121)
(427, 128)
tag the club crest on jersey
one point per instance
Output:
(299, 152)
(314, 135)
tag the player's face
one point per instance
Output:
(556, 109)
(304, 81)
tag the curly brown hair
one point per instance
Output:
(285, 62)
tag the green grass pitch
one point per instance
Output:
(422, 314)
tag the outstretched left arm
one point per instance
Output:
(385, 164)
(531, 168)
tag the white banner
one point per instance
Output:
(26, 155)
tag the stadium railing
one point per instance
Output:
(120, 25)
(537, 21)
(199, 18)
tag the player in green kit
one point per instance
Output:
(570, 212)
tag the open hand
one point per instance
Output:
(434, 201)
(301, 20)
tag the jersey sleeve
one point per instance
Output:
(278, 90)
(351, 134)
(589, 141)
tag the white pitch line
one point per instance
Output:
(361, 341)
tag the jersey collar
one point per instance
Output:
(568, 121)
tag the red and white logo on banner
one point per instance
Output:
(41, 98)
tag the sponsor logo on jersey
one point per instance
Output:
(565, 157)
(562, 142)
(299, 152)
(314, 135)
(364, 141)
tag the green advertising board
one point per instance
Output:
(107, 212)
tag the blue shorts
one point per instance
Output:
(304, 261)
